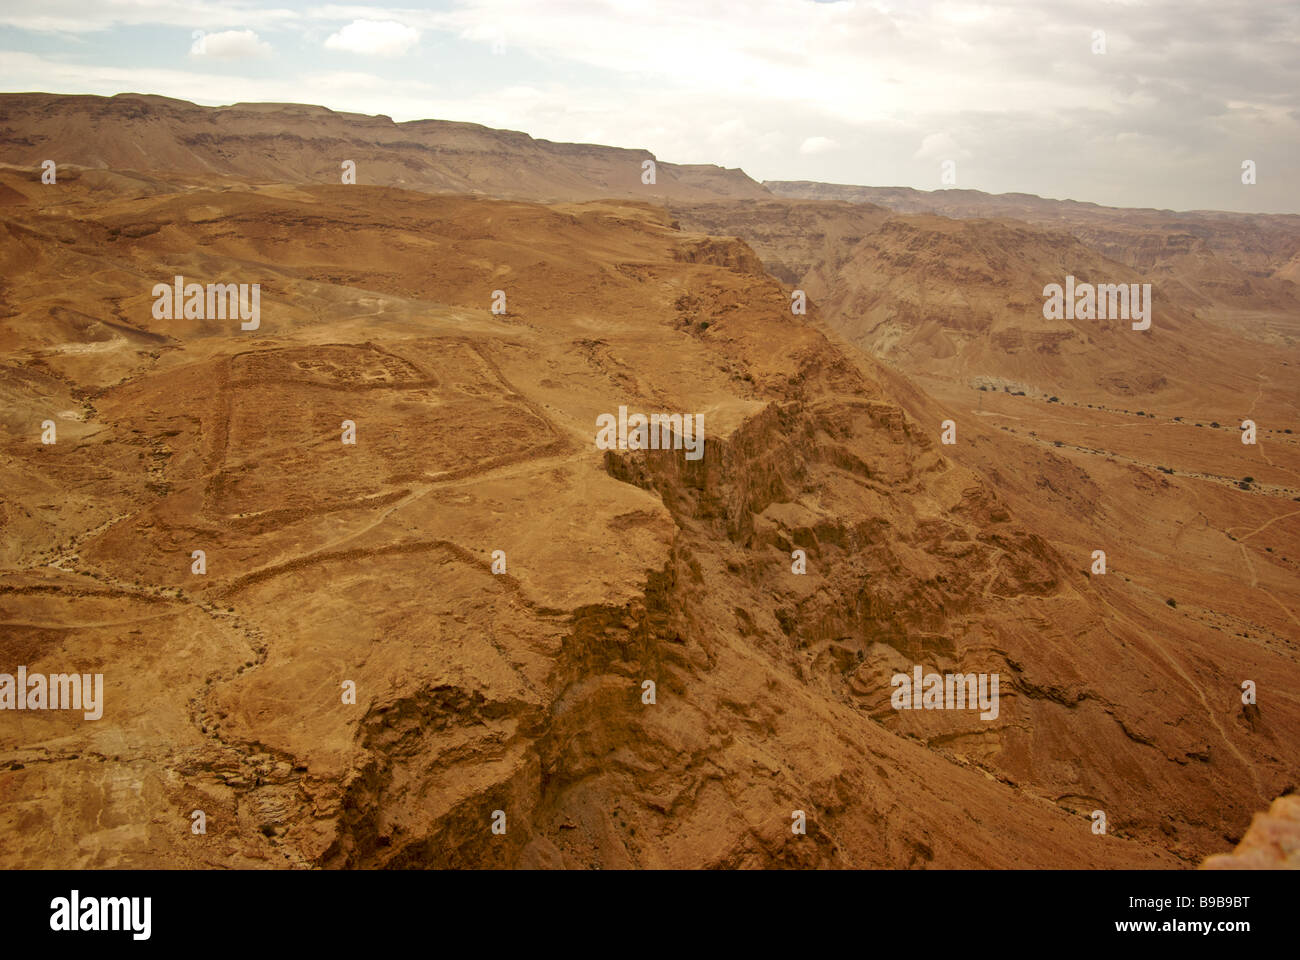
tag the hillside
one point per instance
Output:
(296, 143)
(1239, 265)
(521, 690)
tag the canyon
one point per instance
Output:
(519, 687)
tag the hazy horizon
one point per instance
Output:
(1125, 104)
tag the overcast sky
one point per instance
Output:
(878, 93)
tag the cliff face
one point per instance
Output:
(1271, 843)
(523, 691)
(1098, 438)
(295, 143)
(793, 237)
(1203, 259)
(474, 617)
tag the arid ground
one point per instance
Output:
(497, 590)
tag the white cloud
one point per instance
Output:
(940, 146)
(80, 17)
(375, 37)
(1009, 88)
(229, 45)
(351, 92)
(814, 145)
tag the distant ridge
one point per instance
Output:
(297, 143)
(961, 203)
(1231, 252)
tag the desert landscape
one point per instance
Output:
(365, 590)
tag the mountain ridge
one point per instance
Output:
(288, 143)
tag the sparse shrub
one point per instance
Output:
(1172, 602)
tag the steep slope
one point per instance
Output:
(1240, 266)
(960, 305)
(296, 143)
(522, 691)
(965, 299)
(1098, 437)
(792, 238)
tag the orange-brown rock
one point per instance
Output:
(523, 691)
(1271, 843)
